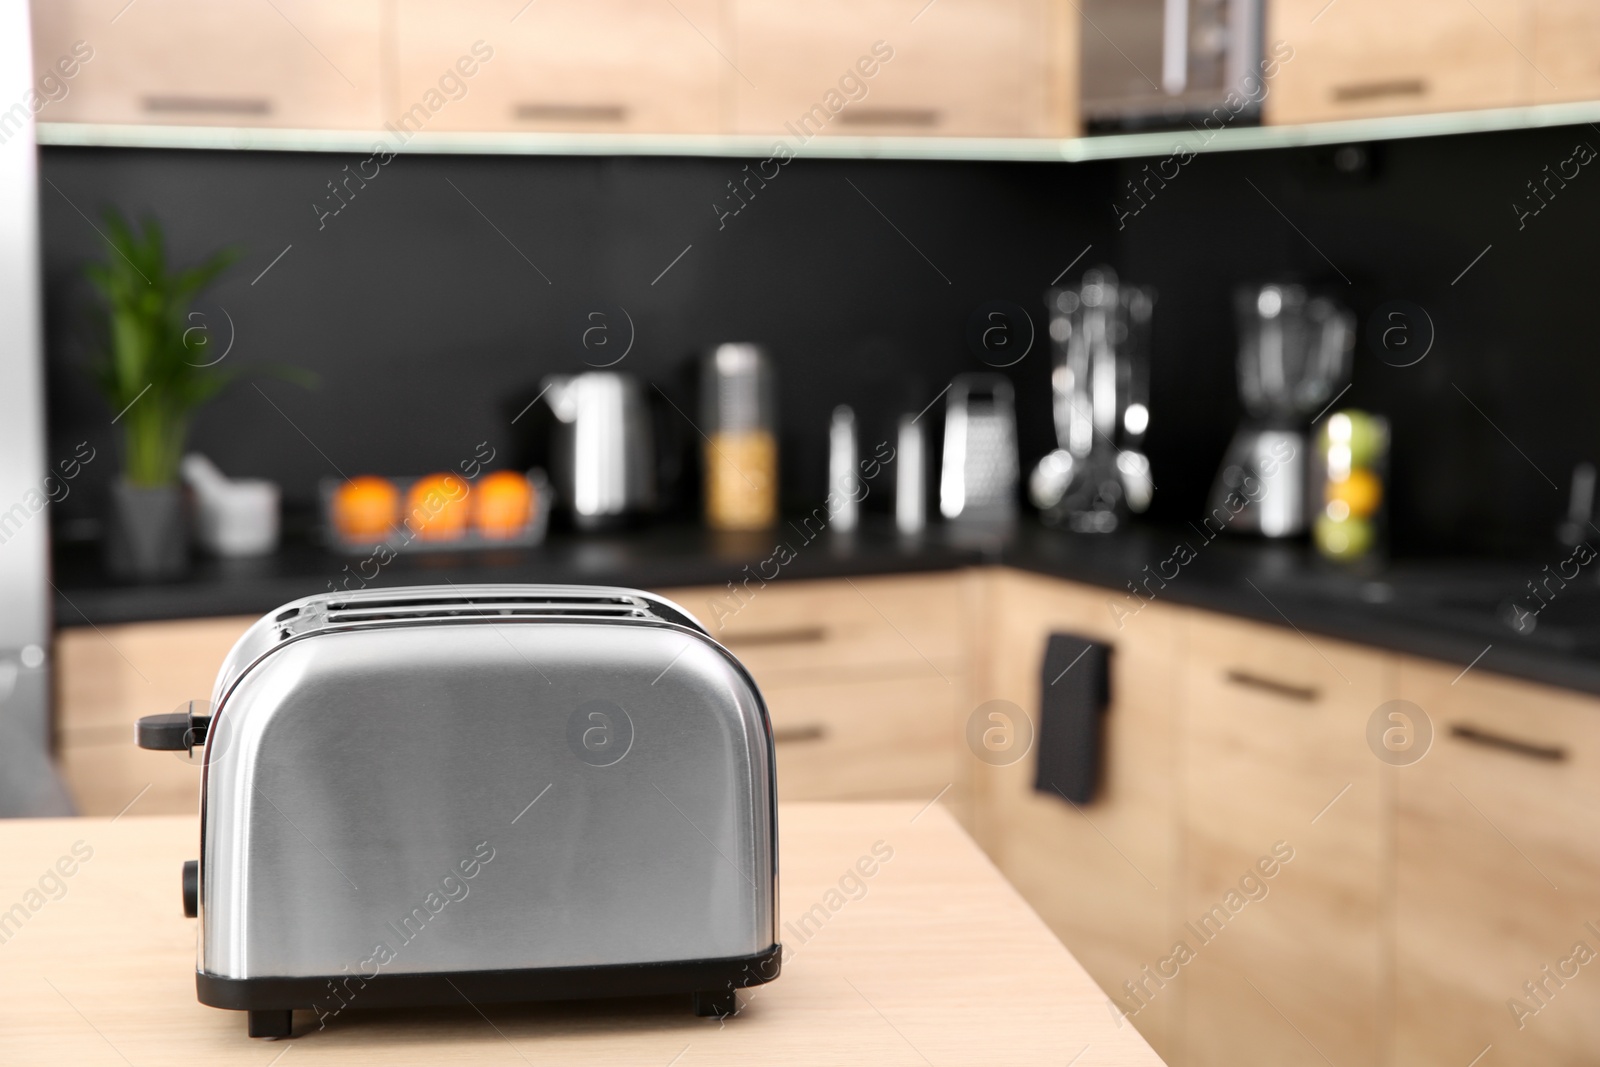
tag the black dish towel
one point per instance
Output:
(1076, 687)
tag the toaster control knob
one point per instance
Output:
(191, 888)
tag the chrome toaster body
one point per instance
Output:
(531, 791)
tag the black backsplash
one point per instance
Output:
(433, 303)
(1505, 402)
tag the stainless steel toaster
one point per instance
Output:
(493, 793)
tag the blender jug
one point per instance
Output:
(1294, 357)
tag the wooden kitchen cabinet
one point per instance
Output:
(1275, 761)
(623, 66)
(986, 68)
(868, 680)
(1497, 873)
(1418, 900)
(1361, 58)
(888, 738)
(289, 63)
(1102, 876)
(838, 629)
(106, 678)
(977, 68)
(1565, 52)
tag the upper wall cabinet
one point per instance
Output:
(1564, 62)
(913, 70)
(290, 63)
(1361, 58)
(624, 66)
(902, 67)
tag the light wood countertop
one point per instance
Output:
(939, 962)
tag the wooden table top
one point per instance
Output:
(938, 962)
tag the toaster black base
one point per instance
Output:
(271, 1001)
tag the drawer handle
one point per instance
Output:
(789, 735)
(799, 635)
(552, 112)
(1306, 694)
(1358, 91)
(207, 105)
(923, 117)
(1531, 749)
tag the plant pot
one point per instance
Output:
(147, 532)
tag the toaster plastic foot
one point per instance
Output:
(271, 1023)
(718, 1002)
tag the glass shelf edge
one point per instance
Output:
(755, 146)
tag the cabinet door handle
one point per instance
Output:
(921, 117)
(1355, 92)
(540, 111)
(207, 105)
(788, 735)
(1306, 694)
(1489, 739)
(799, 635)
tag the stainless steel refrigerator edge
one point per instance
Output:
(28, 782)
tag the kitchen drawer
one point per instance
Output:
(1566, 51)
(1373, 57)
(1274, 750)
(291, 63)
(981, 68)
(886, 739)
(624, 66)
(1101, 875)
(1498, 872)
(108, 677)
(834, 630)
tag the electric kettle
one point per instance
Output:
(603, 450)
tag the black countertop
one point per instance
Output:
(1448, 610)
(652, 558)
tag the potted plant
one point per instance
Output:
(154, 373)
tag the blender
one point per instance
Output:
(1294, 358)
(1100, 387)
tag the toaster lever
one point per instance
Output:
(176, 731)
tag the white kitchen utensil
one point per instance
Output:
(232, 517)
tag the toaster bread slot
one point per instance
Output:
(455, 603)
(509, 606)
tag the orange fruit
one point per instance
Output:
(503, 504)
(436, 507)
(365, 508)
(1362, 491)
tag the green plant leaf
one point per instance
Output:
(148, 371)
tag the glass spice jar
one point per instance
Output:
(741, 449)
